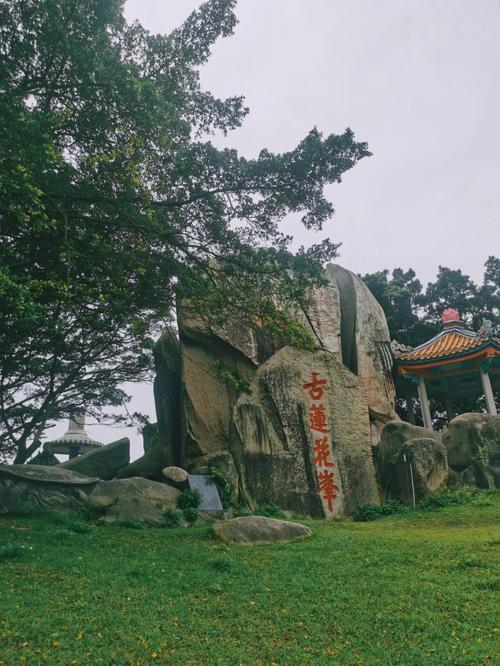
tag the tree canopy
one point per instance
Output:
(113, 198)
(414, 314)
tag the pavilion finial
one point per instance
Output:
(450, 315)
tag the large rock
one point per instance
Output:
(104, 462)
(137, 510)
(242, 393)
(346, 319)
(154, 459)
(273, 443)
(429, 461)
(36, 487)
(421, 463)
(259, 529)
(162, 441)
(107, 493)
(473, 444)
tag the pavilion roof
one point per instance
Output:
(450, 343)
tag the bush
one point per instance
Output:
(172, 518)
(190, 513)
(224, 486)
(188, 499)
(367, 512)
(241, 510)
(450, 497)
(270, 510)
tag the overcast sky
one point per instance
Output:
(417, 79)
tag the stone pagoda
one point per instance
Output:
(75, 440)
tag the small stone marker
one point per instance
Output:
(205, 485)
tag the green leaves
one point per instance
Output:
(112, 207)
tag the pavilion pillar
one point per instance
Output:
(424, 404)
(488, 392)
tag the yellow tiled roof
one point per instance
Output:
(446, 343)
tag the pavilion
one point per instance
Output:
(456, 363)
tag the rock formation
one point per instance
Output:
(473, 444)
(104, 462)
(161, 440)
(403, 445)
(29, 488)
(245, 408)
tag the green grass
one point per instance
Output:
(411, 589)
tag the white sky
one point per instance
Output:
(417, 79)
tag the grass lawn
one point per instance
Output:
(414, 589)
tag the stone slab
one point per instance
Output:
(210, 500)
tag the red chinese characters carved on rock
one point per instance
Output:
(318, 423)
(315, 388)
(321, 450)
(327, 488)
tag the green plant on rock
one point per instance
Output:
(224, 487)
(233, 381)
(270, 510)
(191, 514)
(241, 510)
(189, 498)
(172, 518)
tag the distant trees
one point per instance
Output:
(414, 314)
(112, 200)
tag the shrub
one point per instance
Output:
(172, 518)
(224, 486)
(233, 381)
(450, 497)
(270, 510)
(367, 512)
(241, 510)
(189, 498)
(190, 513)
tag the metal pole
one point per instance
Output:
(411, 480)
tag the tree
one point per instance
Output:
(399, 297)
(113, 203)
(451, 289)
(414, 315)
